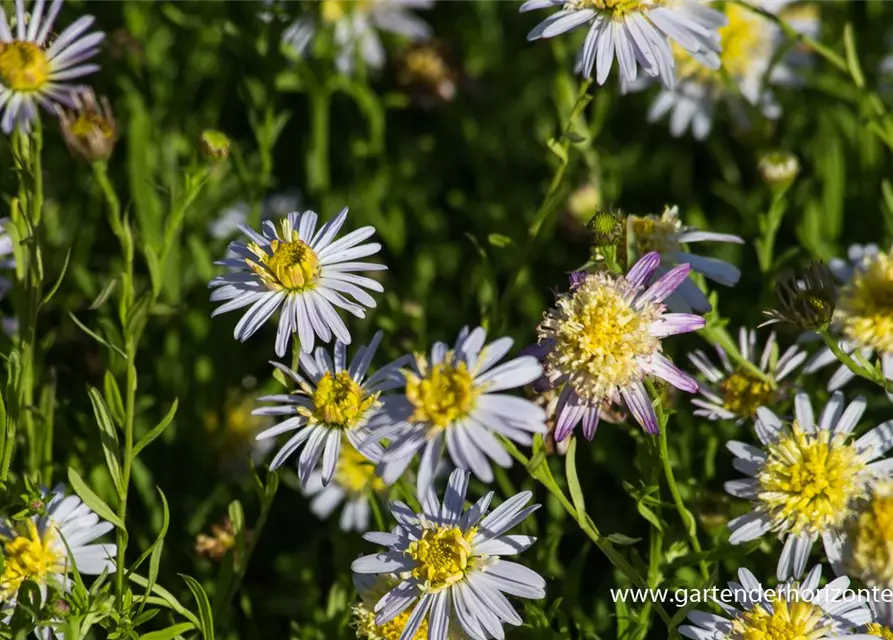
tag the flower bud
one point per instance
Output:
(606, 228)
(806, 300)
(89, 129)
(779, 169)
(215, 145)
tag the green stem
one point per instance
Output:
(127, 462)
(318, 166)
(852, 365)
(550, 201)
(721, 337)
(769, 224)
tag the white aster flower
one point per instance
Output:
(336, 400)
(353, 485)
(806, 481)
(34, 550)
(300, 269)
(356, 24)
(453, 399)
(863, 315)
(603, 339)
(635, 32)
(734, 392)
(453, 565)
(794, 610)
(35, 69)
(668, 236)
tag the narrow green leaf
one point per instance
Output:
(158, 547)
(92, 500)
(154, 265)
(204, 606)
(159, 539)
(852, 56)
(498, 240)
(96, 336)
(157, 430)
(573, 481)
(113, 398)
(109, 437)
(619, 538)
(165, 598)
(58, 283)
(168, 634)
(103, 296)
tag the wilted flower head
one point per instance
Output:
(427, 70)
(89, 129)
(806, 300)
(221, 540)
(779, 169)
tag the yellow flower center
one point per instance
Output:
(445, 392)
(427, 64)
(339, 402)
(23, 66)
(743, 393)
(871, 539)
(655, 233)
(798, 620)
(882, 632)
(745, 39)
(28, 557)
(599, 338)
(355, 473)
(294, 266)
(442, 555)
(615, 9)
(364, 622)
(810, 480)
(87, 126)
(865, 307)
(335, 10)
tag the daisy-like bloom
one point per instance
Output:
(356, 25)
(635, 32)
(863, 315)
(807, 479)
(34, 550)
(794, 610)
(354, 484)
(869, 541)
(603, 339)
(734, 392)
(453, 398)
(749, 42)
(301, 270)
(336, 400)
(668, 236)
(35, 68)
(452, 565)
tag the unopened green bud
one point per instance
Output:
(215, 145)
(606, 228)
(806, 300)
(779, 169)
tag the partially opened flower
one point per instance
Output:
(794, 610)
(863, 315)
(34, 549)
(451, 565)
(602, 340)
(36, 68)
(353, 486)
(635, 32)
(807, 479)
(453, 399)
(336, 400)
(302, 271)
(734, 392)
(668, 236)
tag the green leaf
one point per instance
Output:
(103, 296)
(852, 56)
(113, 398)
(649, 515)
(171, 632)
(157, 430)
(154, 265)
(165, 598)
(92, 500)
(58, 283)
(619, 538)
(96, 336)
(558, 149)
(159, 541)
(204, 606)
(498, 240)
(109, 437)
(573, 481)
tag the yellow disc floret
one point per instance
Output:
(615, 9)
(355, 473)
(743, 393)
(657, 233)
(879, 631)
(339, 402)
(364, 623)
(598, 337)
(29, 556)
(23, 66)
(870, 539)
(810, 480)
(797, 620)
(293, 265)
(335, 10)
(865, 306)
(443, 556)
(443, 393)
